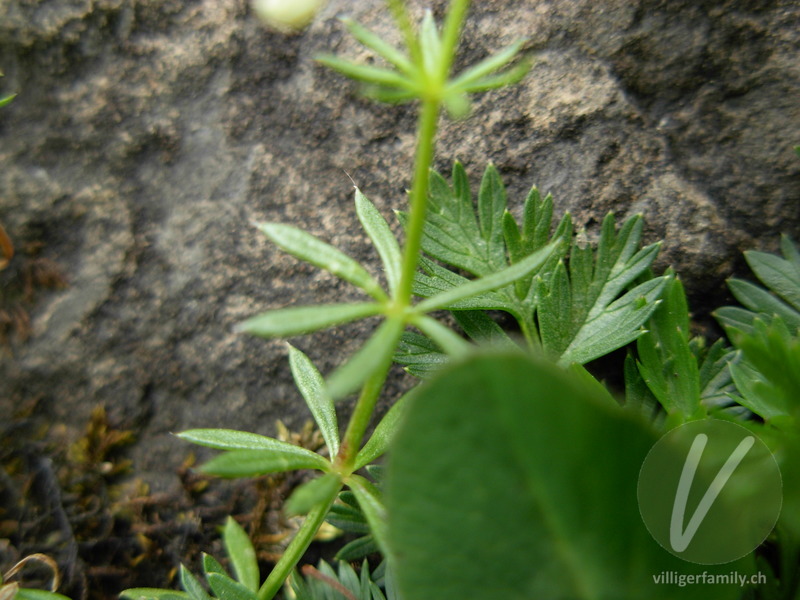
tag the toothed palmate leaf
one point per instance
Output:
(575, 302)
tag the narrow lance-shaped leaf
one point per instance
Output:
(488, 65)
(226, 588)
(778, 274)
(242, 554)
(382, 436)
(371, 503)
(373, 355)
(192, 586)
(312, 494)
(312, 386)
(488, 283)
(382, 237)
(286, 322)
(379, 45)
(253, 463)
(130, 594)
(228, 439)
(306, 247)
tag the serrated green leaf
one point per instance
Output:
(761, 301)
(488, 283)
(383, 435)
(492, 204)
(419, 354)
(242, 554)
(358, 548)
(482, 329)
(347, 518)
(227, 439)
(778, 274)
(226, 588)
(286, 322)
(313, 493)
(666, 360)
(131, 594)
(371, 503)
(620, 324)
(306, 247)
(253, 463)
(192, 586)
(382, 238)
(757, 395)
(373, 355)
(312, 386)
(436, 279)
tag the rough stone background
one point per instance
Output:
(147, 134)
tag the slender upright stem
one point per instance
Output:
(426, 134)
(298, 546)
(362, 413)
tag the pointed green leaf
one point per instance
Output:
(242, 554)
(379, 45)
(313, 493)
(488, 283)
(382, 436)
(192, 586)
(358, 548)
(382, 237)
(375, 354)
(3, 102)
(253, 463)
(447, 339)
(778, 274)
(620, 324)
(482, 329)
(667, 362)
(306, 247)
(419, 354)
(371, 503)
(227, 439)
(488, 65)
(491, 208)
(312, 386)
(212, 565)
(761, 301)
(367, 73)
(287, 322)
(226, 588)
(430, 45)
(508, 77)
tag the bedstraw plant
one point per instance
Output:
(513, 470)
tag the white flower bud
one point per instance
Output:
(287, 15)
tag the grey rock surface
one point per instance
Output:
(147, 135)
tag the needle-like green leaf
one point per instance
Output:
(306, 247)
(296, 320)
(382, 238)
(373, 355)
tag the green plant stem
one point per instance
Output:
(426, 135)
(302, 540)
(359, 420)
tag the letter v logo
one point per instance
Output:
(680, 540)
(709, 491)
